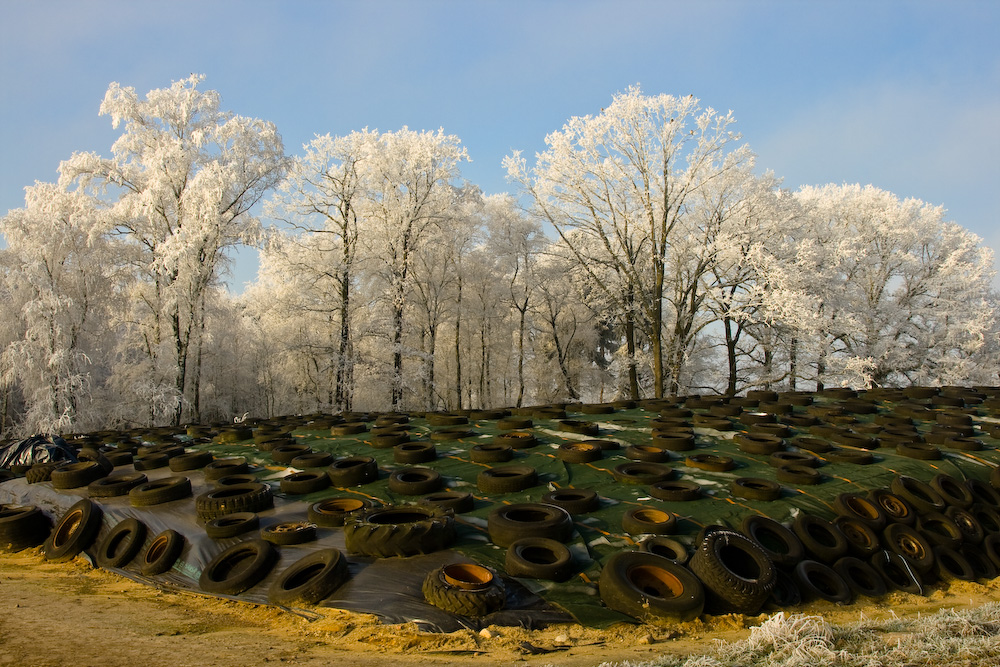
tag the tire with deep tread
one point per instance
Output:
(399, 531)
(735, 571)
(473, 603)
(253, 497)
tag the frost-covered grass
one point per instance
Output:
(947, 638)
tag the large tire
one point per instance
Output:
(253, 497)
(163, 490)
(310, 579)
(539, 558)
(162, 553)
(506, 479)
(238, 568)
(75, 531)
(22, 527)
(650, 588)
(115, 485)
(509, 523)
(399, 531)
(736, 573)
(445, 588)
(121, 544)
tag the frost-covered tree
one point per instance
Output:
(59, 279)
(180, 184)
(897, 293)
(616, 187)
(407, 178)
(318, 203)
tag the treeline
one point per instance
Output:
(641, 255)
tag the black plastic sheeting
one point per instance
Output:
(35, 449)
(387, 587)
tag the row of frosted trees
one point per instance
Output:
(644, 255)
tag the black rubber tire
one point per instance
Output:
(472, 603)
(856, 506)
(120, 458)
(389, 440)
(151, 461)
(896, 509)
(574, 501)
(458, 502)
(414, 452)
(862, 578)
(821, 538)
(781, 545)
(75, 475)
(285, 453)
(735, 571)
(311, 579)
(509, 523)
(665, 547)
(672, 442)
(238, 568)
(311, 460)
(987, 517)
(516, 439)
(940, 530)
(953, 492)
(968, 524)
(159, 491)
(349, 428)
(648, 521)
(710, 462)
(798, 475)
(121, 544)
(506, 479)
(220, 468)
(852, 456)
(333, 512)
(862, 540)
(898, 572)
(253, 497)
(399, 531)
(651, 589)
(233, 480)
(785, 593)
(910, 544)
(818, 580)
(918, 450)
(760, 444)
(647, 453)
(41, 472)
(984, 493)
(984, 568)
(115, 485)
(22, 526)
(288, 533)
(579, 427)
(539, 558)
(415, 481)
(514, 423)
(781, 459)
(352, 471)
(814, 445)
(306, 481)
(676, 490)
(161, 554)
(190, 461)
(579, 452)
(231, 525)
(641, 473)
(491, 453)
(919, 494)
(755, 488)
(950, 565)
(75, 531)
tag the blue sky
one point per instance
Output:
(904, 95)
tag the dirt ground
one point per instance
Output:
(73, 614)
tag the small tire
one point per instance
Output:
(641, 473)
(288, 533)
(415, 481)
(665, 547)
(910, 544)
(648, 521)
(302, 483)
(574, 501)
(333, 512)
(710, 462)
(508, 523)
(159, 491)
(231, 525)
(676, 491)
(115, 485)
(491, 453)
(755, 488)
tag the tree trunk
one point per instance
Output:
(520, 356)
(730, 355)
(397, 355)
(458, 343)
(793, 353)
(345, 366)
